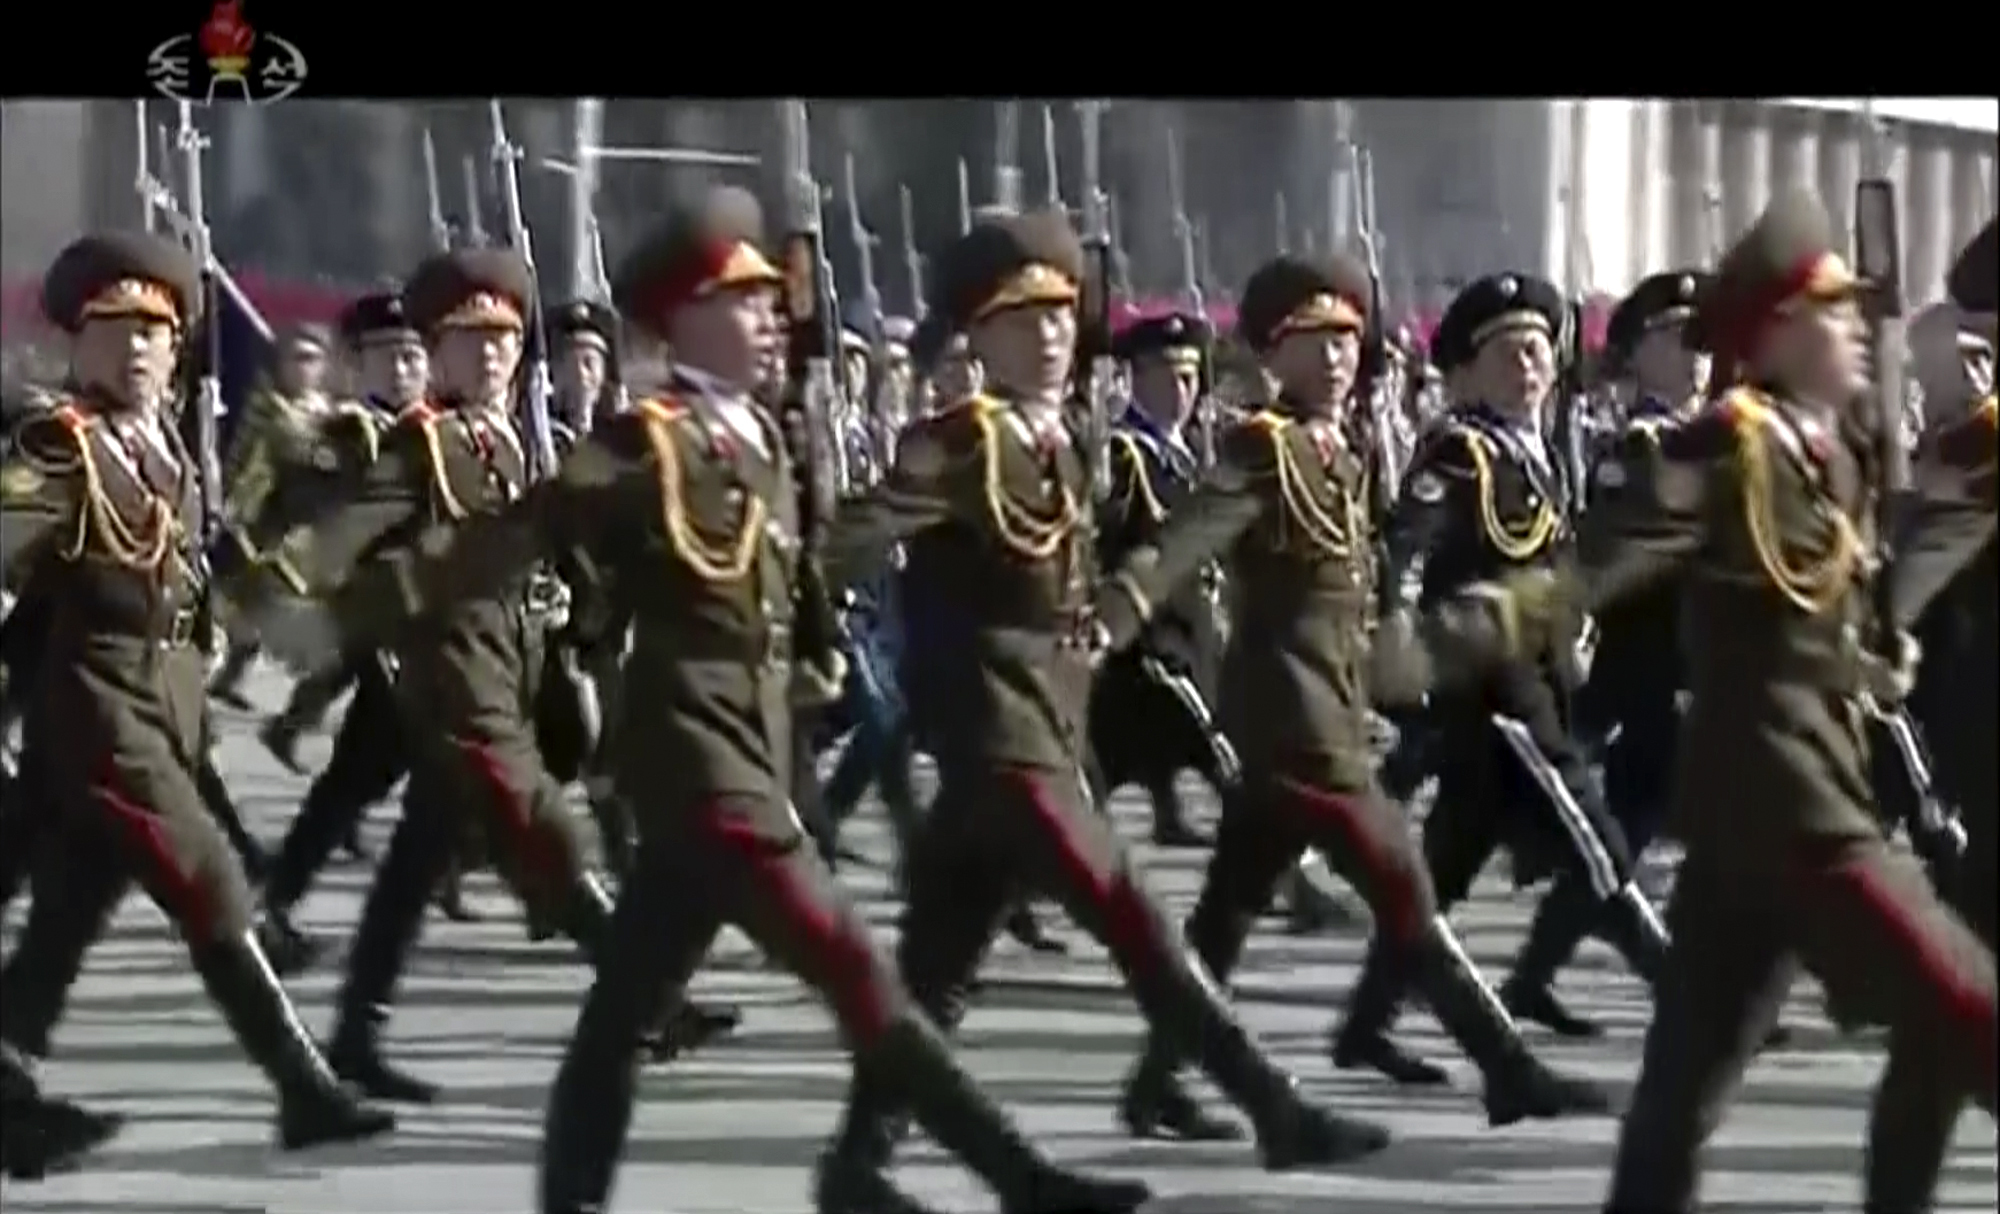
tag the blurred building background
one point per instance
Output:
(312, 199)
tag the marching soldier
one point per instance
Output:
(468, 682)
(1288, 505)
(1763, 502)
(993, 498)
(692, 497)
(369, 756)
(1632, 696)
(101, 508)
(1149, 706)
(41, 1135)
(586, 368)
(277, 432)
(1482, 499)
(1945, 583)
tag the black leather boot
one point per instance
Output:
(1309, 909)
(1518, 1085)
(852, 1177)
(589, 1110)
(1363, 1040)
(289, 950)
(1025, 926)
(1157, 1105)
(314, 1109)
(1171, 827)
(949, 1105)
(391, 919)
(1560, 924)
(41, 1135)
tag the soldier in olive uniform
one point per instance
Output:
(1288, 506)
(1483, 499)
(1634, 688)
(993, 499)
(469, 681)
(1149, 707)
(1761, 506)
(691, 499)
(369, 756)
(278, 431)
(1945, 575)
(586, 375)
(101, 510)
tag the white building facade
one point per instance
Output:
(1596, 193)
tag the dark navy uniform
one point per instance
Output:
(1150, 715)
(1483, 500)
(1631, 700)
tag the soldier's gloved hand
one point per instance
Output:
(1889, 677)
(301, 633)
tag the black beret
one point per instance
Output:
(1492, 305)
(1972, 281)
(586, 321)
(1161, 335)
(373, 318)
(1291, 294)
(469, 288)
(1658, 301)
(121, 274)
(697, 249)
(1789, 254)
(1009, 261)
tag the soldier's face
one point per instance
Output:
(130, 357)
(303, 368)
(395, 372)
(1662, 366)
(1514, 370)
(732, 334)
(580, 372)
(1166, 388)
(477, 364)
(959, 374)
(1316, 368)
(1029, 350)
(1821, 351)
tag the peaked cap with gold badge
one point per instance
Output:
(1490, 306)
(1008, 261)
(1296, 295)
(469, 289)
(1787, 260)
(1176, 338)
(1659, 301)
(1975, 277)
(117, 274)
(698, 249)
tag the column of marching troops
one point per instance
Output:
(1024, 608)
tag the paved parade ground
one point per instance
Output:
(735, 1129)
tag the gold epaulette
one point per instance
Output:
(1016, 526)
(1140, 484)
(1812, 585)
(424, 418)
(719, 563)
(1514, 542)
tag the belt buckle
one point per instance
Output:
(777, 645)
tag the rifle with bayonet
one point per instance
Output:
(1007, 157)
(1193, 301)
(913, 261)
(433, 200)
(205, 409)
(814, 312)
(875, 409)
(1934, 830)
(475, 213)
(1372, 384)
(964, 197)
(535, 385)
(1051, 165)
(1095, 312)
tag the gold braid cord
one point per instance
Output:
(1812, 585)
(1140, 484)
(718, 563)
(1515, 542)
(427, 420)
(144, 550)
(1019, 529)
(1333, 536)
